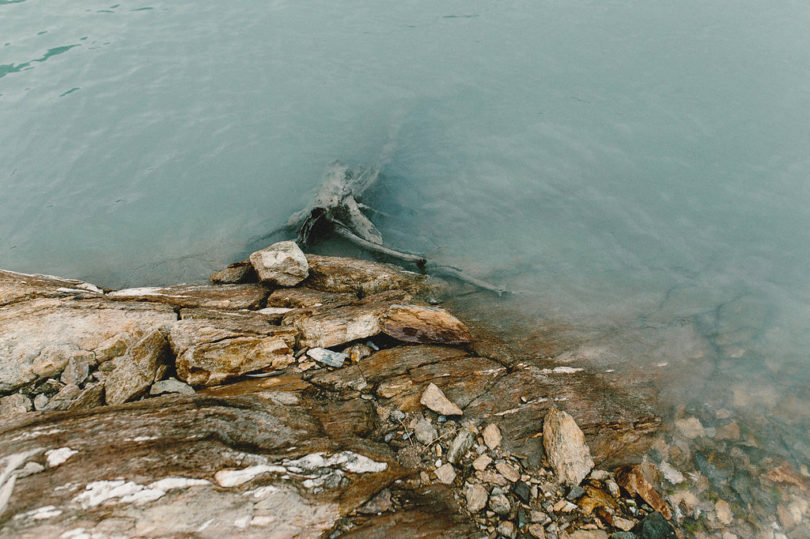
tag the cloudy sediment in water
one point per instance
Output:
(634, 169)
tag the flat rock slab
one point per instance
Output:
(226, 296)
(328, 327)
(419, 324)
(52, 331)
(155, 467)
(308, 298)
(208, 353)
(15, 287)
(360, 277)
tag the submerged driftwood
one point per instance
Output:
(337, 209)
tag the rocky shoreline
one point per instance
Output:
(302, 395)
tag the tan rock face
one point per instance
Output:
(226, 296)
(434, 399)
(413, 323)
(281, 264)
(134, 372)
(301, 297)
(15, 287)
(236, 273)
(565, 447)
(332, 327)
(30, 331)
(360, 277)
(208, 355)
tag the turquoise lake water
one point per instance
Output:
(636, 170)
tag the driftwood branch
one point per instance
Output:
(337, 208)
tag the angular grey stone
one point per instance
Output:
(15, 404)
(327, 357)
(460, 445)
(424, 431)
(76, 371)
(282, 264)
(171, 385)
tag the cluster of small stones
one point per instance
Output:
(500, 491)
(720, 481)
(507, 498)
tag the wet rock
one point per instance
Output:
(492, 436)
(29, 329)
(327, 357)
(508, 471)
(380, 503)
(77, 369)
(136, 371)
(522, 491)
(15, 404)
(170, 385)
(360, 277)
(730, 431)
(507, 529)
(282, 264)
(225, 296)
(477, 497)
(208, 355)
(594, 498)
(723, 511)
(671, 474)
(235, 273)
(460, 445)
(633, 481)
(565, 447)
(434, 398)
(332, 327)
(623, 535)
(91, 396)
(417, 324)
(446, 473)
(717, 466)
(424, 431)
(500, 504)
(690, 427)
(655, 526)
(575, 493)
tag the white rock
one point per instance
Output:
(690, 427)
(233, 478)
(41, 513)
(55, 457)
(282, 263)
(327, 357)
(670, 474)
(434, 398)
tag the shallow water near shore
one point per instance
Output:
(637, 174)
